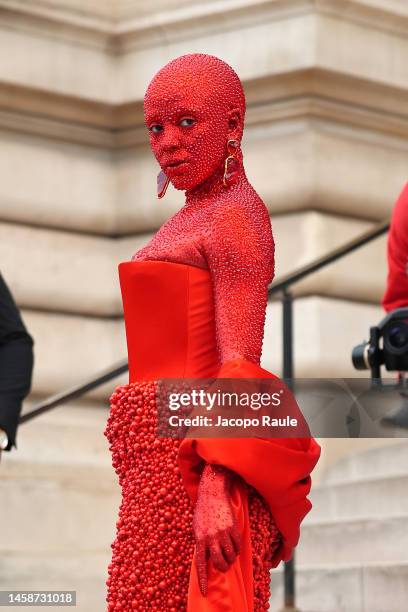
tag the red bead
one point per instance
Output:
(153, 548)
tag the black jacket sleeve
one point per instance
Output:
(16, 363)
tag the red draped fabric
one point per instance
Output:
(278, 468)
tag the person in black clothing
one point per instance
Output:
(16, 366)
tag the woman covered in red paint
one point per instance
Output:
(202, 521)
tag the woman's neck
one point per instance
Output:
(212, 187)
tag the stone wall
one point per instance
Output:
(326, 146)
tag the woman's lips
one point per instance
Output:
(173, 166)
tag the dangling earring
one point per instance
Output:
(162, 184)
(231, 168)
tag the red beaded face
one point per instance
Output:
(192, 107)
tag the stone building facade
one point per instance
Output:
(326, 146)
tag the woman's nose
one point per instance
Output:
(171, 139)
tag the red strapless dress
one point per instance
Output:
(170, 328)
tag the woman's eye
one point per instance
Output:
(156, 128)
(187, 122)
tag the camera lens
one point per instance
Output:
(396, 338)
(359, 356)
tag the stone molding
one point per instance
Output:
(308, 93)
(121, 26)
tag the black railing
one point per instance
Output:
(282, 286)
(325, 260)
(77, 391)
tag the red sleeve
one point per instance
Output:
(396, 293)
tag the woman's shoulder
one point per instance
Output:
(244, 212)
(241, 230)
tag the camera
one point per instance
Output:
(388, 345)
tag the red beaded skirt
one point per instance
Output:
(153, 549)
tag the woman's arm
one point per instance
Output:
(239, 250)
(214, 523)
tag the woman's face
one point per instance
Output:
(188, 129)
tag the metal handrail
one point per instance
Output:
(283, 286)
(76, 391)
(354, 244)
(280, 286)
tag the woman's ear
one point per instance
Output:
(234, 124)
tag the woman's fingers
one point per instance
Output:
(236, 538)
(222, 549)
(201, 564)
(216, 555)
(227, 546)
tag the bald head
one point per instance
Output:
(204, 77)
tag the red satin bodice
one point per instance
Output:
(169, 318)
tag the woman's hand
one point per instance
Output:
(215, 530)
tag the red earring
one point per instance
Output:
(162, 184)
(231, 168)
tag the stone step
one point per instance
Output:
(55, 508)
(377, 497)
(340, 588)
(78, 475)
(69, 434)
(354, 541)
(389, 460)
(82, 571)
(375, 587)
